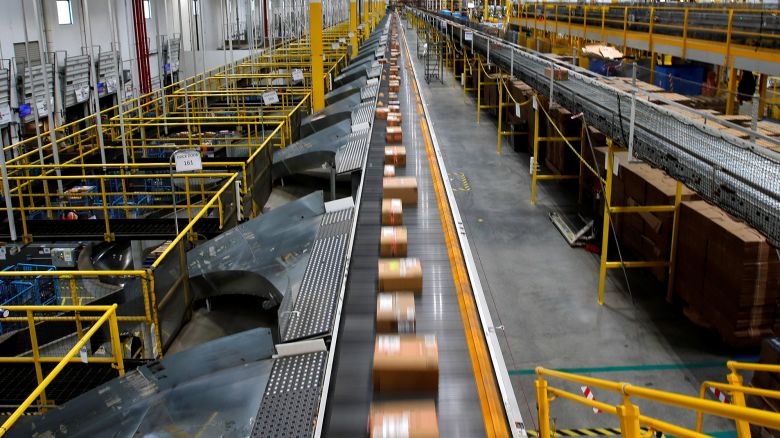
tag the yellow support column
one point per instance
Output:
(486, 10)
(535, 157)
(731, 93)
(353, 18)
(605, 228)
(317, 70)
(366, 26)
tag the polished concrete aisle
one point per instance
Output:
(544, 293)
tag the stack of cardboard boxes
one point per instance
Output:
(727, 273)
(406, 364)
(646, 236)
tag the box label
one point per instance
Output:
(187, 161)
(82, 94)
(5, 114)
(270, 97)
(468, 36)
(385, 302)
(297, 75)
(389, 344)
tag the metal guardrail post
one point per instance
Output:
(629, 419)
(543, 407)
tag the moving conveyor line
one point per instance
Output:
(254, 388)
(738, 175)
(438, 311)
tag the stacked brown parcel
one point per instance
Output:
(728, 274)
(405, 369)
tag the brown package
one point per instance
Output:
(395, 155)
(393, 242)
(394, 108)
(401, 187)
(394, 119)
(392, 96)
(406, 363)
(559, 74)
(410, 418)
(393, 134)
(394, 86)
(400, 275)
(381, 113)
(395, 312)
(389, 170)
(392, 212)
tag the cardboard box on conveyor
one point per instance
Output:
(400, 274)
(406, 363)
(407, 419)
(395, 312)
(400, 187)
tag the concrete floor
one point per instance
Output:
(228, 315)
(544, 293)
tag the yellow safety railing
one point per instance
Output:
(103, 193)
(245, 167)
(736, 389)
(632, 423)
(158, 290)
(108, 317)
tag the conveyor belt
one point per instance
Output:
(437, 309)
(735, 174)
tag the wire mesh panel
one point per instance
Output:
(736, 174)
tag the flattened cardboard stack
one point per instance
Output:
(558, 156)
(647, 236)
(727, 273)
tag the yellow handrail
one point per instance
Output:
(109, 315)
(628, 413)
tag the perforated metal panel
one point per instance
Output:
(172, 56)
(108, 73)
(369, 92)
(5, 89)
(33, 77)
(313, 311)
(291, 398)
(351, 156)
(375, 72)
(363, 113)
(76, 78)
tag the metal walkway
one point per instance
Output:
(437, 310)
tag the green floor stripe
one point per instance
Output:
(624, 368)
